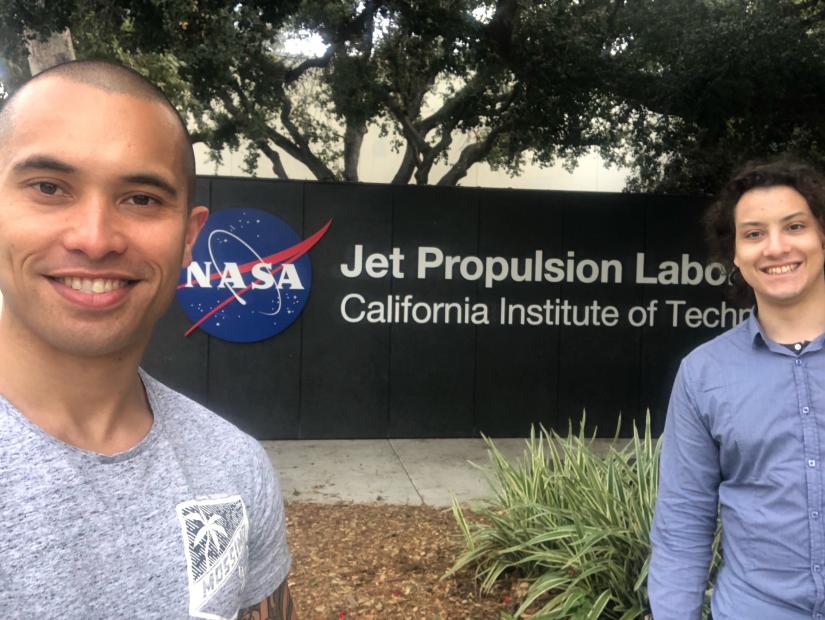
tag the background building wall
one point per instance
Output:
(378, 165)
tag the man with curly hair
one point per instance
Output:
(745, 432)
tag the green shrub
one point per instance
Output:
(573, 523)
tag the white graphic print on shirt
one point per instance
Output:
(215, 535)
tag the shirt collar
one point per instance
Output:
(755, 331)
(758, 337)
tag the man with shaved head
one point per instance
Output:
(120, 497)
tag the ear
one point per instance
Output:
(195, 221)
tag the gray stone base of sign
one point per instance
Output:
(395, 471)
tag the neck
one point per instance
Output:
(804, 320)
(93, 403)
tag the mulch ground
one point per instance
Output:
(354, 562)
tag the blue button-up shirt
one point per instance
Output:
(744, 431)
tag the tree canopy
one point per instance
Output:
(678, 91)
(710, 85)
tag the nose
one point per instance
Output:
(777, 244)
(94, 229)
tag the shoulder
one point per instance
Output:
(716, 366)
(731, 348)
(197, 430)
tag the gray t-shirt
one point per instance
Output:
(187, 524)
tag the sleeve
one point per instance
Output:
(269, 558)
(684, 521)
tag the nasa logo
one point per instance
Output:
(249, 278)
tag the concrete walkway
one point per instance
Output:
(394, 471)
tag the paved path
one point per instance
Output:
(394, 471)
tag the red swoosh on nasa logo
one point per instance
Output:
(285, 256)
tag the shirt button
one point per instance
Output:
(806, 409)
(814, 515)
(797, 346)
(798, 362)
(811, 463)
(817, 568)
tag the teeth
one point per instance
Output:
(92, 285)
(781, 269)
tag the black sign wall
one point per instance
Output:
(445, 312)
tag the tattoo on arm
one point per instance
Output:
(276, 606)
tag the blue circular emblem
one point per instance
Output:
(249, 278)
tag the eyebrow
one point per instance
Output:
(784, 219)
(45, 162)
(153, 180)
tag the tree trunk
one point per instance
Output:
(422, 175)
(353, 139)
(54, 50)
(405, 170)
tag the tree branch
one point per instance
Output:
(422, 175)
(446, 110)
(405, 170)
(299, 151)
(368, 27)
(500, 28)
(274, 158)
(298, 147)
(304, 154)
(408, 129)
(470, 155)
(320, 62)
(476, 152)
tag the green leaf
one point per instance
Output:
(573, 523)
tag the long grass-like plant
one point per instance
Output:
(572, 522)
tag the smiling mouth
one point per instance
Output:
(94, 286)
(781, 269)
